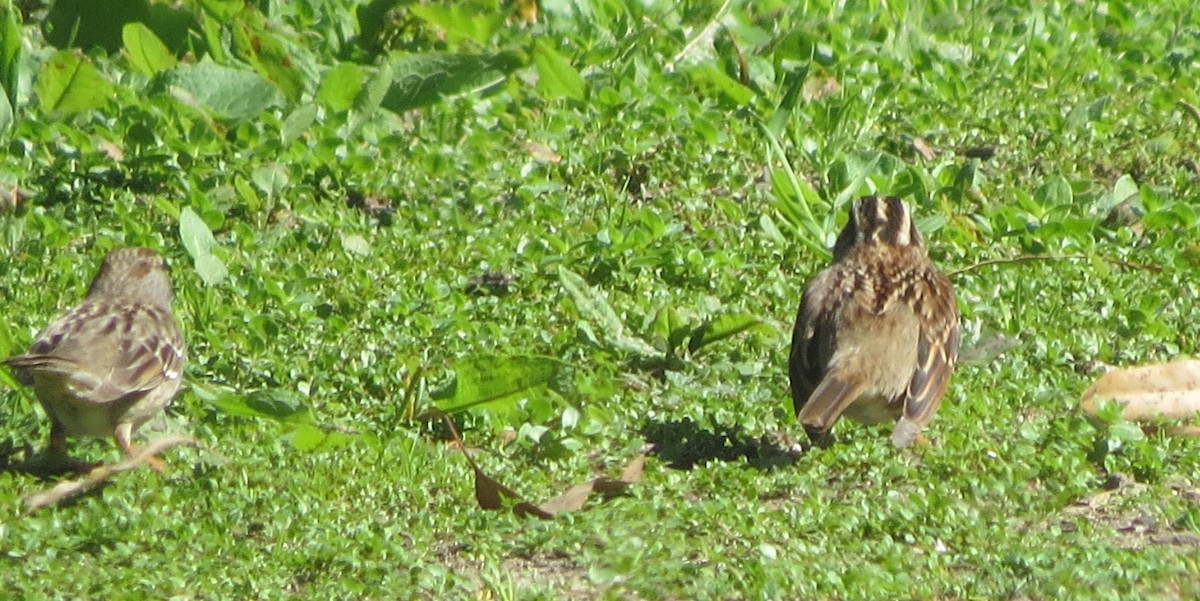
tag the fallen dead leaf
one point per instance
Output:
(525, 11)
(1149, 392)
(820, 86)
(923, 148)
(542, 153)
(111, 150)
(12, 199)
(144, 455)
(492, 495)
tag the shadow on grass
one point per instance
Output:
(684, 443)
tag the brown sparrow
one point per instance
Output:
(110, 364)
(877, 332)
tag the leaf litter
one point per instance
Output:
(493, 495)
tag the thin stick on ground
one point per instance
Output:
(65, 490)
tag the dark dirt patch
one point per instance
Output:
(1134, 520)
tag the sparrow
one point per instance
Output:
(877, 332)
(108, 365)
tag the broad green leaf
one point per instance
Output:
(498, 383)
(6, 111)
(10, 62)
(224, 10)
(594, 307)
(199, 241)
(196, 237)
(771, 230)
(710, 76)
(145, 51)
(725, 326)
(371, 96)
(340, 86)
(1056, 192)
(669, 329)
(271, 178)
(297, 123)
(85, 24)
(68, 83)
(274, 404)
(556, 77)
(460, 22)
(1125, 189)
(356, 245)
(212, 271)
(228, 92)
(247, 193)
(423, 79)
(309, 437)
(1083, 114)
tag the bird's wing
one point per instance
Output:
(937, 351)
(813, 338)
(105, 354)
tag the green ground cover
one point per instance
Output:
(366, 203)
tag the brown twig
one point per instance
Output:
(1032, 258)
(142, 456)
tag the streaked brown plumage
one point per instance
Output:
(877, 331)
(111, 363)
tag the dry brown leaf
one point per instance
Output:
(1148, 392)
(634, 470)
(12, 199)
(144, 455)
(576, 497)
(923, 148)
(525, 11)
(820, 86)
(572, 500)
(490, 493)
(542, 153)
(111, 150)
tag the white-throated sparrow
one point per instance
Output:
(877, 331)
(111, 363)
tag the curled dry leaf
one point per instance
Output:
(575, 497)
(491, 494)
(1169, 390)
(144, 455)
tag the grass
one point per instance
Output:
(625, 145)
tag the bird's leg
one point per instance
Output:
(55, 459)
(818, 437)
(122, 435)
